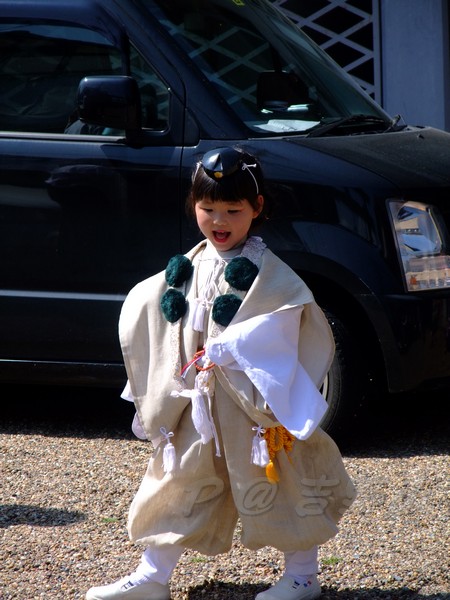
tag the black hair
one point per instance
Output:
(229, 175)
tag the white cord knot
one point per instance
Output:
(200, 410)
(260, 431)
(260, 452)
(169, 455)
(166, 435)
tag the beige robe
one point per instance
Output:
(197, 505)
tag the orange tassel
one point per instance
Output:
(277, 438)
(271, 473)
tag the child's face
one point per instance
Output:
(226, 224)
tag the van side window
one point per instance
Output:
(41, 66)
(40, 69)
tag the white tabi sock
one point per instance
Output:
(301, 563)
(157, 564)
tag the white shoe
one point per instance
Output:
(124, 589)
(291, 588)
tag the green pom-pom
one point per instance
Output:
(173, 305)
(240, 273)
(179, 269)
(224, 308)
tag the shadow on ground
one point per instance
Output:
(214, 590)
(401, 425)
(28, 514)
(66, 411)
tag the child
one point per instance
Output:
(225, 352)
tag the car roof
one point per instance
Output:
(57, 9)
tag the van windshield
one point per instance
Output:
(272, 76)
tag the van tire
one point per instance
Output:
(343, 388)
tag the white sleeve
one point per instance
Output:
(126, 394)
(266, 349)
(137, 429)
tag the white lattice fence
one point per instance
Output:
(348, 30)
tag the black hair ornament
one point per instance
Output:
(222, 162)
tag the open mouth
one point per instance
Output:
(221, 236)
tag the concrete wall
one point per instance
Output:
(415, 69)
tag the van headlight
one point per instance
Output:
(422, 243)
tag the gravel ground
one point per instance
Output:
(67, 481)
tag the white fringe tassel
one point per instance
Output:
(197, 318)
(169, 454)
(200, 416)
(260, 452)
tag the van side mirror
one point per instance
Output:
(110, 101)
(277, 91)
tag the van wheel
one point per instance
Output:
(343, 388)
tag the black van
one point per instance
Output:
(105, 107)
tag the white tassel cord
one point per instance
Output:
(197, 317)
(206, 297)
(202, 420)
(260, 452)
(200, 416)
(169, 454)
(205, 382)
